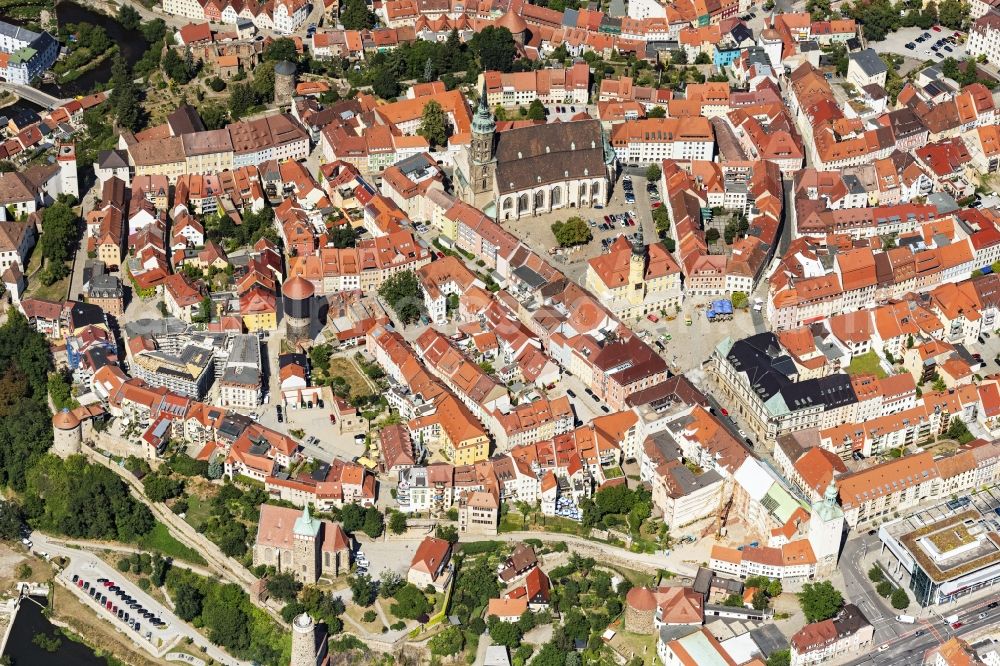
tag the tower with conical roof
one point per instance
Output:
(297, 294)
(482, 157)
(305, 534)
(826, 527)
(637, 269)
(67, 434)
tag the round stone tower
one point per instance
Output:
(303, 641)
(517, 26)
(297, 296)
(67, 434)
(284, 83)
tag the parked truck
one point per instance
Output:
(720, 310)
(906, 619)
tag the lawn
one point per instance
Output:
(866, 364)
(631, 645)
(356, 612)
(160, 539)
(344, 367)
(53, 292)
(198, 512)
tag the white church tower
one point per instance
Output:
(67, 169)
(826, 527)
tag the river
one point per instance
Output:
(131, 45)
(22, 650)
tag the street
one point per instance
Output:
(905, 645)
(89, 567)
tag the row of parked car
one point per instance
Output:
(943, 43)
(125, 608)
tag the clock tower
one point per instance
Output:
(482, 162)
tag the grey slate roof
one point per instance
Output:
(869, 62)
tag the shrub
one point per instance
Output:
(369, 616)
(480, 547)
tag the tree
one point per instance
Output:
(958, 431)
(447, 643)
(160, 567)
(389, 583)
(178, 69)
(281, 49)
(187, 601)
(711, 236)
(263, 81)
(224, 613)
(820, 601)
(402, 293)
(760, 600)
(385, 84)
(283, 586)
(374, 523)
(899, 600)
(573, 231)
(653, 173)
(878, 18)
(875, 574)
(81, 500)
(241, 99)
(774, 588)
(362, 589)
(952, 13)
(740, 299)
(356, 16)
(342, 236)
(495, 48)
(11, 520)
(884, 589)
(678, 57)
(397, 522)
(433, 124)
(733, 601)
(129, 17)
(504, 633)
(160, 488)
(214, 116)
(536, 110)
(448, 533)
(59, 234)
(411, 603)
(780, 658)
(703, 59)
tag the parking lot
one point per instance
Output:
(897, 43)
(537, 232)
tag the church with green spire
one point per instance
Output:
(524, 169)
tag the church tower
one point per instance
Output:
(66, 157)
(482, 165)
(637, 269)
(306, 555)
(826, 526)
